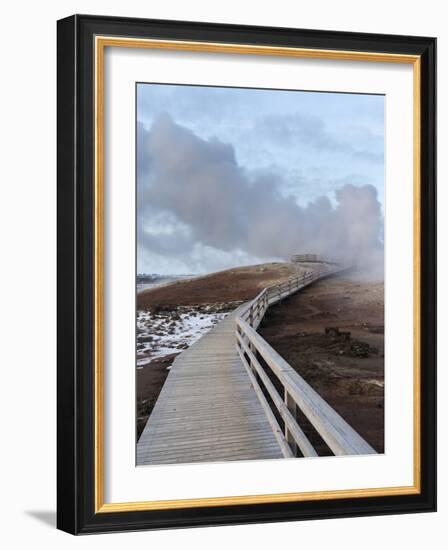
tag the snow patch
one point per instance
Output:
(167, 332)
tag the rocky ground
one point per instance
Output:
(332, 334)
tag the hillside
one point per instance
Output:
(231, 285)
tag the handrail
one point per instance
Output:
(340, 437)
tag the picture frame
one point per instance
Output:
(82, 42)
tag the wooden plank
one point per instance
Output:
(286, 450)
(207, 409)
(296, 432)
(289, 435)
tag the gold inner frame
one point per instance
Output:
(101, 42)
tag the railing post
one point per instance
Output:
(292, 408)
(251, 346)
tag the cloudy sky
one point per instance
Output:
(230, 176)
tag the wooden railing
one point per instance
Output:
(254, 351)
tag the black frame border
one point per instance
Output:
(76, 262)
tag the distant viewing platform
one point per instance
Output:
(312, 258)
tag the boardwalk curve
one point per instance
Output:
(207, 410)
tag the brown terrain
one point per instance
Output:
(332, 334)
(231, 285)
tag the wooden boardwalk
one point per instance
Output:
(212, 407)
(208, 410)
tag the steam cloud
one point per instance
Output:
(192, 190)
